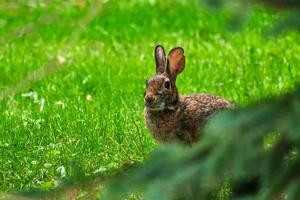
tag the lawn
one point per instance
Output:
(92, 114)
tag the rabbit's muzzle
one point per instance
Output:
(154, 103)
(149, 99)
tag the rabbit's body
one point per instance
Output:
(184, 123)
(169, 116)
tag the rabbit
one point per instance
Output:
(171, 117)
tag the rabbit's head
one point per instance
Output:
(161, 92)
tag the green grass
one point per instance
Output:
(111, 61)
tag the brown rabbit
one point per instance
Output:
(169, 116)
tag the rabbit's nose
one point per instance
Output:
(149, 98)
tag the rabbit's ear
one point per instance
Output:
(160, 59)
(176, 62)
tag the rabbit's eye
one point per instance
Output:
(167, 84)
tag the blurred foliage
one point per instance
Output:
(241, 10)
(273, 3)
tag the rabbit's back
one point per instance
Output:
(202, 106)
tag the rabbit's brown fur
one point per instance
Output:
(171, 117)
